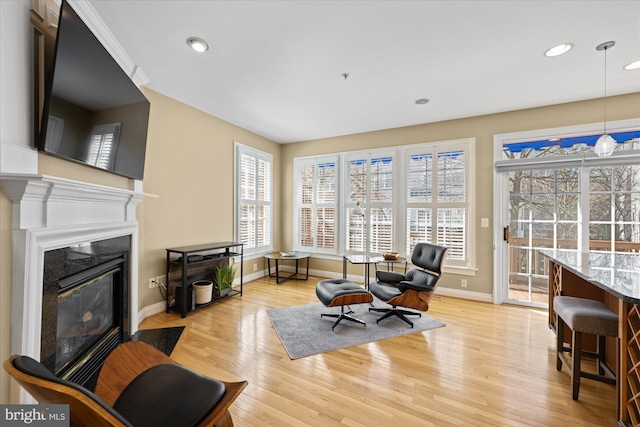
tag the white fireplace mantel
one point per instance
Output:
(52, 213)
(46, 201)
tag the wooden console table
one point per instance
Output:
(613, 279)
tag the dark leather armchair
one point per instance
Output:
(413, 289)
(138, 386)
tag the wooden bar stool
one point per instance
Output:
(584, 316)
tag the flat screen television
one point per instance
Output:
(93, 112)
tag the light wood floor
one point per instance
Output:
(490, 366)
(524, 296)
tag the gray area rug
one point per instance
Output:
(304, 333)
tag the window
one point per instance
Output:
(437, 199)
(572, 199)
(567, 145)
(316, 204)
(408, 194)
(254, 204)
(369, 181)
(614, 208)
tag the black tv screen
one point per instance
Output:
(93, 112)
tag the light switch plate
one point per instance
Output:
(484, 222)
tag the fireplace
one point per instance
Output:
(84, 306)
(87, 314)
(75, 226)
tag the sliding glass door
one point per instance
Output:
(552, 192)
(543, 214)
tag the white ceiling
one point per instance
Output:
(275, 67)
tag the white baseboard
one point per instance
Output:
(150, 310)
(440, 291)
(469, 295)
(253, 276)
(161, 306)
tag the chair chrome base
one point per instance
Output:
(402, 314)
(343, 315)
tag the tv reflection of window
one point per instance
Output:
(55, 129)
(104, 139)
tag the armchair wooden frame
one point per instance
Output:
(122, 366)
(412, 290)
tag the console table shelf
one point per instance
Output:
(187, 264)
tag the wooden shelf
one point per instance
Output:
(199, 262)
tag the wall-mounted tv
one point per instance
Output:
(93, 112)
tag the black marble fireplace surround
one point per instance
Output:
(90, 283)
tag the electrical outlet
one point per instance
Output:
(463, 283)
(153, 283)
(160, 281)
(255, 267)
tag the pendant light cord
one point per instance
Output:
(605, 89)
(605, 46)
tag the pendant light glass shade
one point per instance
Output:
(605, 145)
(357, 210)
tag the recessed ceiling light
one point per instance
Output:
(422, 101)
(197, 44)
(632, 65)
(559, 50)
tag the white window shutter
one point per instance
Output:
(254, 222)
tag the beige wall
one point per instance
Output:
(483, 128)
(189, 166)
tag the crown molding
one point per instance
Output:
(95, 23)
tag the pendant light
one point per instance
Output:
(606, 144)
(358, 211)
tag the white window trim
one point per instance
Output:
(238, 149)
(469, 147)
(297, 163)
(499, 140)
(366, 204)
(399, 203)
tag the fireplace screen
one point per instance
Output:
(85, 315)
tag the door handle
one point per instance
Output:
(505, 234)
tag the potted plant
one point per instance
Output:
(224, 276)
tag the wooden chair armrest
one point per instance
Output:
(130, 359)
(221, 417)
(123, 365)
